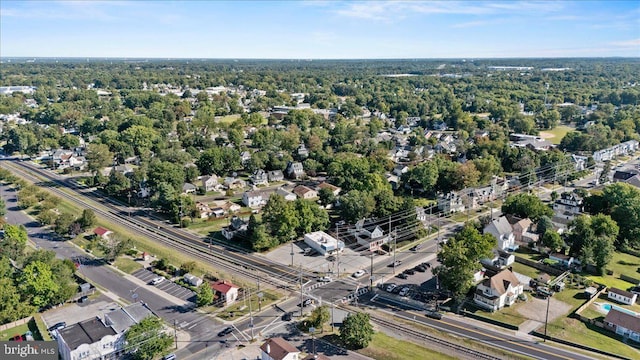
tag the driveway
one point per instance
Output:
(72, 313)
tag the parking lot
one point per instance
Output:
(167, 286)
(72, 313)
(419, 285)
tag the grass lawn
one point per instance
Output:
(228, 118)
(385, 347)
(571, 296)
(508, 314)
(525, 253)
(558, 133)
(126, 264)
(242, 307)
(21, 330)
(621, 263)
(576, 331)
(525, 270)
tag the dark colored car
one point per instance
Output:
(286, 316)
(409, 272)
(226, 331)
(402, 276)
(419, 268)
(434, 315)
(306, 302)
(57, 326)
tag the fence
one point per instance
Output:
(15, 323)
(542, 267)
(626, 278)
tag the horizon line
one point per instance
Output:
(316, 59)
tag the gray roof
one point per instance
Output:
(502, 225)
(623, 319)
(123, 318)
(85, 332)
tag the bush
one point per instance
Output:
(132, 252)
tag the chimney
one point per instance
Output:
(268, 349)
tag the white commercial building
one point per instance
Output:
(323, 243)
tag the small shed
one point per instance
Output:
(192, 280)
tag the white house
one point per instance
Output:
(323, 243)
(226, 290)
(499, 290)
(210, 183)
(275, 175)
(370, 236)
(568, 206)
(260, 177)
(622, 296)
(286, 194)
(255, 199)
(189, 188)
(502, 231)
(89, 339)
(623, 324)
(278, 349)
(235, 228)
(451, 202)
(295, 170)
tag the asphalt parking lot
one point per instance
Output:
(167, 286)
(72, 313)
(421, 284)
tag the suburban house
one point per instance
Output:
(189, 188)
(260, 177)
(232, 183)
(278, 349)
(286, 194)
(451, 202)
(522, 230)
(295, 170)
(501, 229)
(226, 291)
(275, 175)
(102, 232)
(562, 259)
(204, 210)
(370, 236)
(210, 183)
(623, 324)
(302, 151)
(616, 150)
(98, 339)
(334, 189)
(323, 243)
(624, 175)
(236, 227)
(622, 296)
(399, 170)
(568, 206)
(499, 290)
(255, 199)
(304, 192)
(245, 156)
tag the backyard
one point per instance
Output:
(556, 134)
(21, 330)
(621, 263)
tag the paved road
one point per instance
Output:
(198, 327)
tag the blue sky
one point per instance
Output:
(319, 29)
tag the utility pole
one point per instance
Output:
(175, 333)
(338, 252)
(546, 319)
(395, 237)
(292, 254)
(371, 272)
(250, 316)
(301, 293)
(333, 305)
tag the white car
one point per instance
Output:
(359, 273)
(391, 287)
(324, 279)
(404, 291)
(157, 280)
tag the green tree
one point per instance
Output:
(37, 283)
(98, 156)
(63, 223)
(118, 183)
(281, 219)
(356, 205)
(592, 239)
(460, 258)
(526, 205)
(356, 331)
(319, 316)
(146, 339)
(326, 196)
(188, 267)
(88, 219)
(113, 246)
(14, 242)
(552, 240)
(12, 307)
(204, 295)
(544, 224)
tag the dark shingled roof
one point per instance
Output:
(85, 332)
(623, 319)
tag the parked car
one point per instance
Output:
(434, 315)
(390, 287)
(402, 276)
(419, 268)
(306, 302)
(226, 331)
(169, 357)
(409, 272)
(404, 291)
(57, 326)
(324, 279)
(17, 338)
(157, 280)
(286, 316)
(395, 263)
(359, 273)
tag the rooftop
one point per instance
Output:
(85, 332)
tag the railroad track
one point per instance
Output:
(420, 335)
(245, 265)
